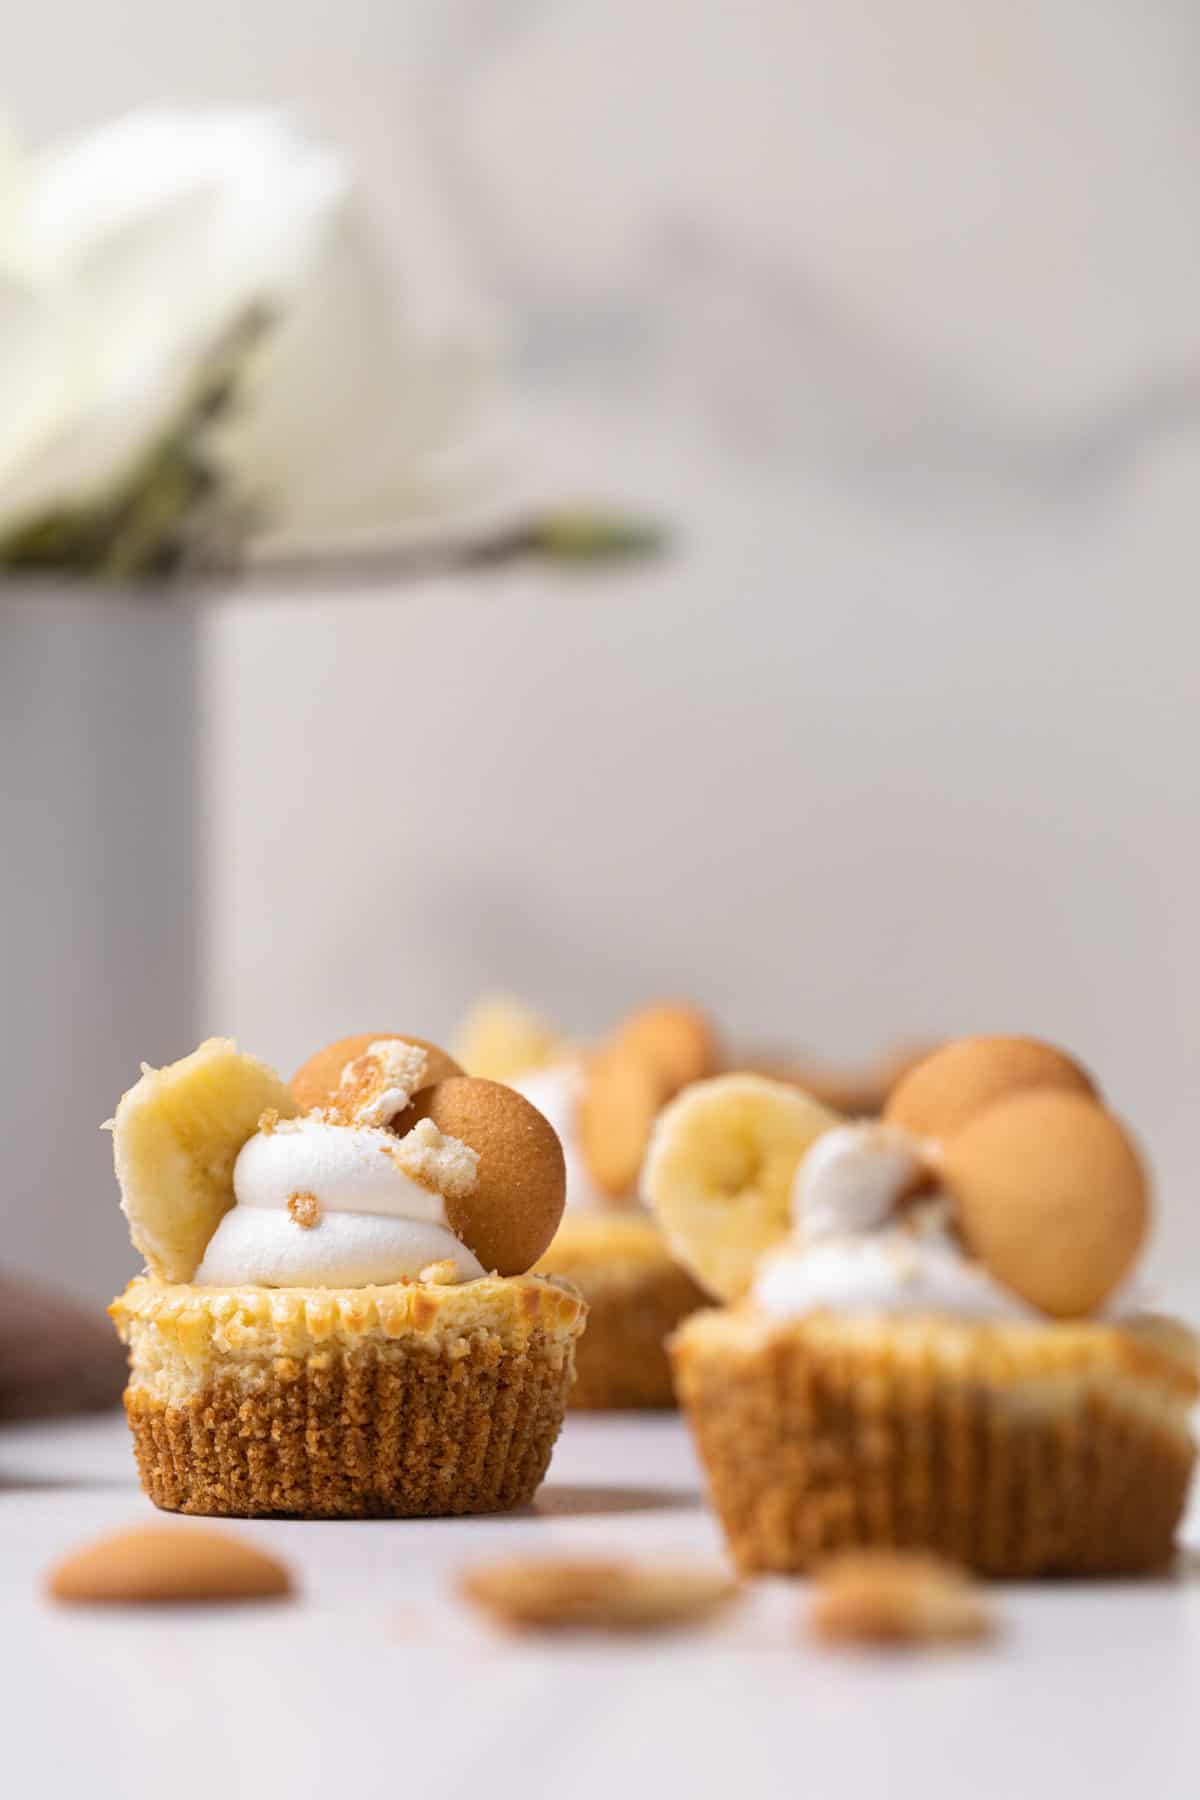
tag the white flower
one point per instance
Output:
(127, 256)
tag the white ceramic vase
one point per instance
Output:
(98, 901)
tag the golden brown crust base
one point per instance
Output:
(636, 1296)
(622, 1360)
(1015, 1452)
(411, 1399)
(395, 1429)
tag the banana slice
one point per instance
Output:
(176, 1137)
(719, 1173)
(503, 1039)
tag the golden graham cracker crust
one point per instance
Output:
(636, 1296)
(1013, 1450)
(404, 1401)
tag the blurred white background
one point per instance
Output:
(894, 311)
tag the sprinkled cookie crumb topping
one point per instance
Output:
(444, 1165)
(380, 1083)
(304, 1208)
(268, 1121)
(440, 1274)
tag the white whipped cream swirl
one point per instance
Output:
(854, 1253)
(327, 1205)
(892, 1271)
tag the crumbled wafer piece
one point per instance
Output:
(376, 1087)
(318, 1084)
(433, 1159)
(304, 1208)
(896, 1597)
(552, 1593)
(159, 1563)
(443, 1273)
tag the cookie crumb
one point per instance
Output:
(443, 1273)
(378, 1085)
(558, 1592)
(896, 1597)
(304, 1208)
(268, 1120)
(441, 1164)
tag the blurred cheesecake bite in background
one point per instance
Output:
(603, 1098)
(934, 1334)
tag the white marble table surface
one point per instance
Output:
(378, 1681)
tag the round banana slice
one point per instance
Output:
(719, 1173)
(176, 1137)
(502, 1039)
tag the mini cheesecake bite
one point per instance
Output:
(341, 1296)
(603, 1099)
(932, 1291)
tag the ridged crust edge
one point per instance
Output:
(384, 1428)
(636, 1295)
(1014, 1450)
(1146, 1346)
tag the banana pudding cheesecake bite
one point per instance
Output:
(931, 1339)
(603, 1101)
(337, 1318)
